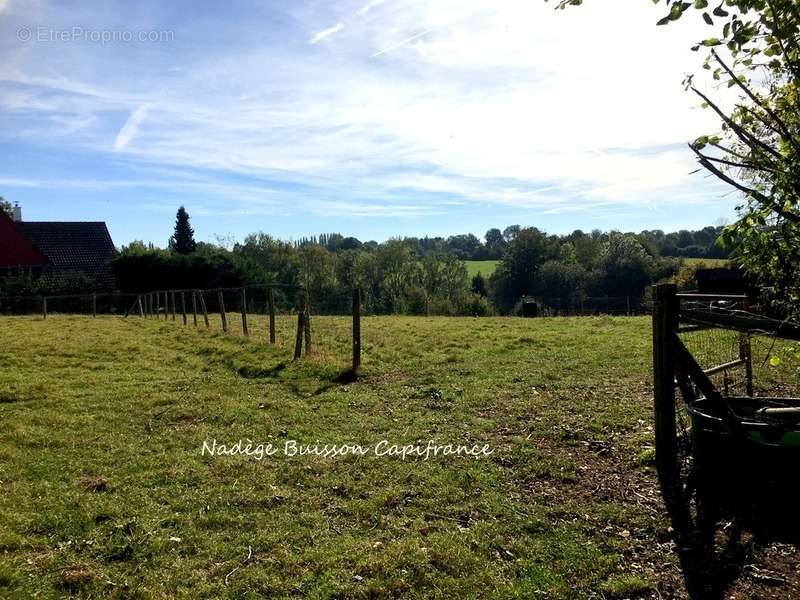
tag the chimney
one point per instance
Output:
(17, 212)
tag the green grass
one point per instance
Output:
(105, 491)
(484, 267)
(709, 263)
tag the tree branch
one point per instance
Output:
(747, 137)
(755, 194)
(785, 130)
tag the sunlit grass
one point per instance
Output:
(105, 490)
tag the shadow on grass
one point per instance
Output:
(344, 378)
(250, 372)
(732, 506)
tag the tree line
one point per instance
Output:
(416, 275)
(687, 244)
(409, 275)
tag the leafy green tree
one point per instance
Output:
(5, 206)
(479, 285)
(626, 267)
(516, 272)
(495, 244)
(563, 280)
(182, 241)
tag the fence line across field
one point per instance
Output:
(192, 303)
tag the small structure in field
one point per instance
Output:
(530, 308)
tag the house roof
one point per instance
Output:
(74, 246)
(16, 250)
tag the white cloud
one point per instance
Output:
(507, 103)
(369, 6)
(131, 127)
(321, 35)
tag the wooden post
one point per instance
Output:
(221, 302)
(174, 308)
(141, 308)
(94, 305)
(307, 321)
(158, 301)
(204, 309)
(746, 354)
(183, 307)
(244, 313)
(298, 343)
(44, 308)
(271, 301)
(166, 306)
(356, 328)
(665, 323)
(628, 305)
(194, 307)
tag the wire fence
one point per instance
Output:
(277, 314)
(585, 306)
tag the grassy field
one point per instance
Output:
(709, 263)
(484, 267)
(106, 491)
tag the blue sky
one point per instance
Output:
(372, 118)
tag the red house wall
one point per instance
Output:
(15, 249)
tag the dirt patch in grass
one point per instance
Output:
(621, 500)
(93, 483)
(74, 577)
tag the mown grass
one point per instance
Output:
(105, 491)
(707, 263)
(484, 267)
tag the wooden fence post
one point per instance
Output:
(307, 321)
(224, 317)
(166, 305)
(44, 308)
(244, 312)
(356, 328)
(298, 343)
(204, 309)
(174, 308)
(141, 308)
(94, 305)
(183, 307)
(271, 301)
(628, 305)
(746, 354)
(665, 322)
(194, 307)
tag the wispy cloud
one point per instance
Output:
(321, 35)
(368, 6)
(408, 40)
(131, 127)
(487, 105)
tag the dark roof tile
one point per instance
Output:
(74, 246)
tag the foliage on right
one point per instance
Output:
(757, 52)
